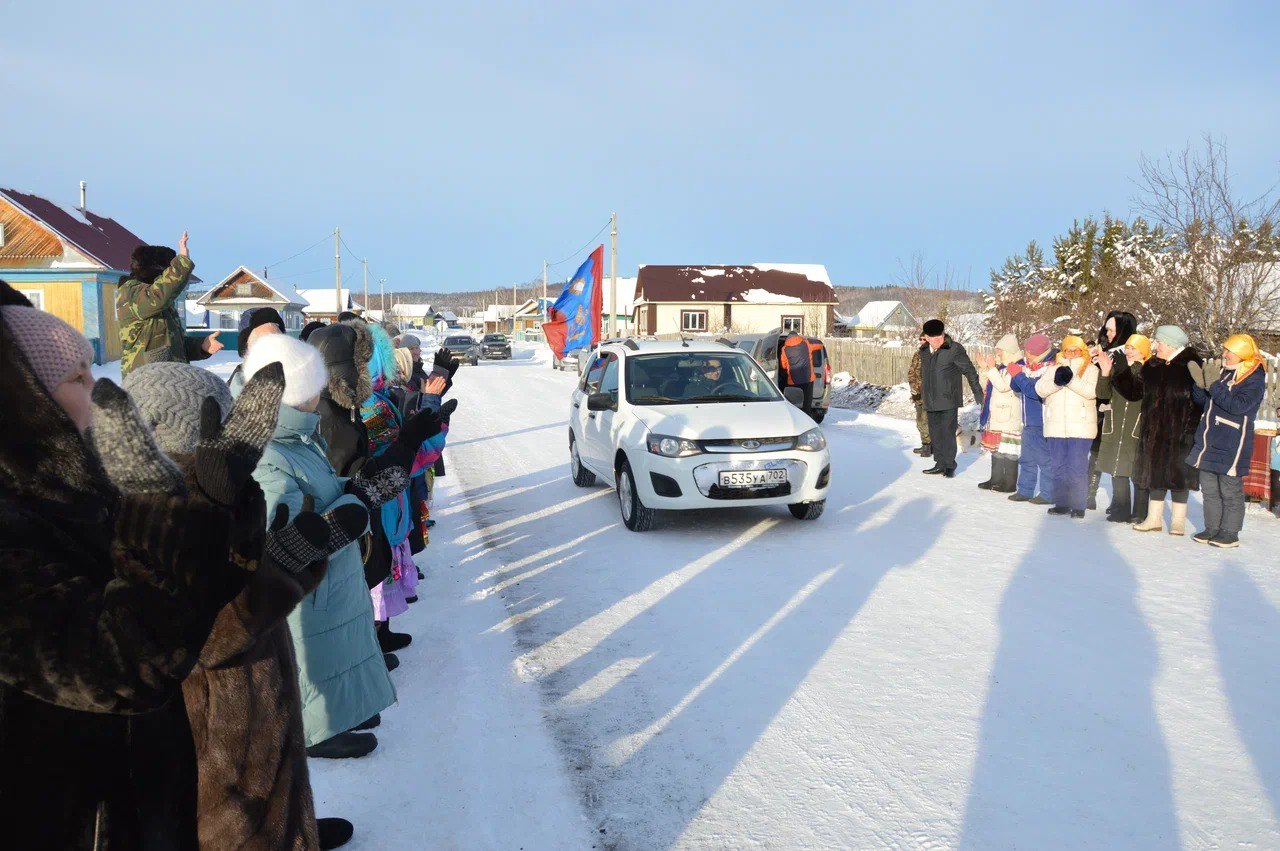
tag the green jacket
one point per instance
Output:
(152, 329)
(342, 675)
(1120, 428)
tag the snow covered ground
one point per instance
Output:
(926, 666)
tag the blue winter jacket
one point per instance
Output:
(341, 671)
(1025, 386)
(1224, 438)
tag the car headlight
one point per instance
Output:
(672, 447)
(812, 440)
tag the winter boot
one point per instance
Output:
(925, 451)
(392, 660)
(1060, 511)
(1095, 478)
(390, 641)
(1008, 482)
(1205, 537)
(1077, 514)
(1120, 511)
(1155, 518)
(344, 746)
(935, 470)
(334, 832)
(1040, 500)
(1178, 519)
(370, 724)
(1226, 540)
(1017, 497)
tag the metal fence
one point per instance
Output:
(874, 364)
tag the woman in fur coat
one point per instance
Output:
(112, 571)
(1169, 419)
(1120, 431)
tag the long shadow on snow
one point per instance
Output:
(1070, 753)
(488, 437)
(1246, 631)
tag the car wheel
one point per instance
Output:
(635, 514)
(582, 477)
(808, 510)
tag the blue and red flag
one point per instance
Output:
(574, 320)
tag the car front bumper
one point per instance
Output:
(696, 478)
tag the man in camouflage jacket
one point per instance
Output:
(151, 327)
(917, 399)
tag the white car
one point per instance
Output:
(674, 426)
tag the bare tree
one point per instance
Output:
(1221, 276)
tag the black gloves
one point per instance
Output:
(447, 409)
(1062, 376)
(422, 426)
(381, 487)
(227, 453)
(312, 537)
(445, 364)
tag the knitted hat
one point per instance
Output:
(309, 329)
(1172, 335)
(169, 397)
(52, 347)
(254, 317)
(409, 341)
(404, 361)
(1038, 346)
(1142, 344)
(304, 371)
(1008, 345)
(934, 328)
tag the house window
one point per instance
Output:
(36, 297)
(229, 320)
(693, 320)
(793, 323)
(244, 289)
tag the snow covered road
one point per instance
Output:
(927, 666)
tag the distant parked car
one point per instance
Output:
(495, 347)
(764, 348)
(464, 348)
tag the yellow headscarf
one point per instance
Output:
(1142, 344)
(1073, 342)
(1244, 347)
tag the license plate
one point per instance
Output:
(752, 478)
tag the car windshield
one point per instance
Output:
(695, 378)
(459, 341)
(495, 338)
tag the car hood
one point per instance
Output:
(725, 420)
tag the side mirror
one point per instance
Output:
(600, 402)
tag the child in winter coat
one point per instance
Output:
(1033, 461)
(1070, 424)
(1002, 415)
(1223, 444)
(1120, 429)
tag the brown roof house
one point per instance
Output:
(734, 299)
(68, 261)
(243, 290)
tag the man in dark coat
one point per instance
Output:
(105, 601)
(944, 367)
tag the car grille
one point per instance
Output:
(750, 444)
(717, 492)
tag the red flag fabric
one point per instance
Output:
(574, 320)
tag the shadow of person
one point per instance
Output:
(1070, 752)
(1246, 633)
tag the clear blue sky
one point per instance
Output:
(458, 145)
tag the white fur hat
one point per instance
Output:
(304, 372)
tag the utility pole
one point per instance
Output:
(337, 273)
(366, 287)
(613, 274)
(542, 308)
(382, 298)
(513, 311)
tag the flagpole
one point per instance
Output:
(613, 274)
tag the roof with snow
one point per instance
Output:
(760, 284)
(262, 291)
(875, 314)
(101, 239)
(412, 311)
(322, 301)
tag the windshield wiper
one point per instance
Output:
(725, 398)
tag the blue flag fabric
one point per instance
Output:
(574, 320)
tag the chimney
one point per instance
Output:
(83, 186)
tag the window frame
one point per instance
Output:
(789, 316)
(684, 314)
(36, 297)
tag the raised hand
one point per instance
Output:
(182, 245)
(228, 453)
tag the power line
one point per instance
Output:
(580, 250)
(299, 254)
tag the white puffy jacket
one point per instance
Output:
(1005, 408)
(1070, 410)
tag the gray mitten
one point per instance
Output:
(127, 448)
(381, 487)
(228, 452)
(1197, 373)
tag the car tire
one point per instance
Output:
(808, 510)
(582, 477)
(636, 516)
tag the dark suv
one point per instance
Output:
(495, 347)
(463, 348)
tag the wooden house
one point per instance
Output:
(243, 290)
(882, 320)
(734, 299)
(68, 261)
(324, 304)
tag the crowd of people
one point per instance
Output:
(1056, 418)
(199, 577)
